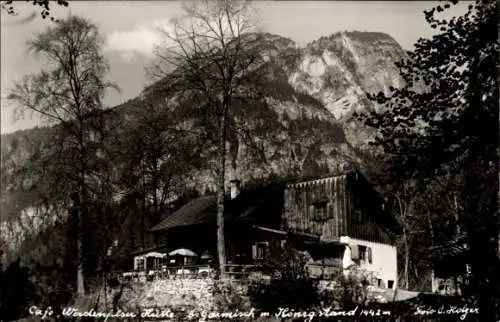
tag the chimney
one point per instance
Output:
(235, 188)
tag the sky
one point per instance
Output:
(130, 32)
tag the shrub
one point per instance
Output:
(229, 297)
(347, 291)
(290, 285)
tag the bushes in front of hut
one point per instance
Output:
(230, 296)
(289, 284)
(348, 291)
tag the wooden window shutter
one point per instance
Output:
(369, 255)
(358, 216)
(310, 221)
(330, 214)
(254, 251)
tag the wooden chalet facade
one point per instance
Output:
(344, 205)
(338, 220)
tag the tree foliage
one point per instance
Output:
(440, 132)
(45, 6)
(448, 107)
(73, 171)
(154, 158)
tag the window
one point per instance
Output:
(390, 284)
(158, 262)
(320, 212)
(260, 250)
(365, 254)
(140, 264)
(362, 253)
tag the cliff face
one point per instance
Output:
(340, 69)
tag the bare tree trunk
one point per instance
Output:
(79, 274)
(407, 258)
(221, 244)
(455, 205)
(431, 228)
(81, 214)
(402, 213)
(143, 217)
(155, 189)
(105, 286)
(104, 259)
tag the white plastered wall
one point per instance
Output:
(384, 264)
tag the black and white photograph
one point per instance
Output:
(232, 160)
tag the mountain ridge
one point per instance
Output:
(314, 92)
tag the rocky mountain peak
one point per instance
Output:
(341, 68)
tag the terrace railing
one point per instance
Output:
(232, 271)
(237, 271)
(324, 271)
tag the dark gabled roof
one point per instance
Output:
(197, 211)
(202, 210)
(247, 202)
